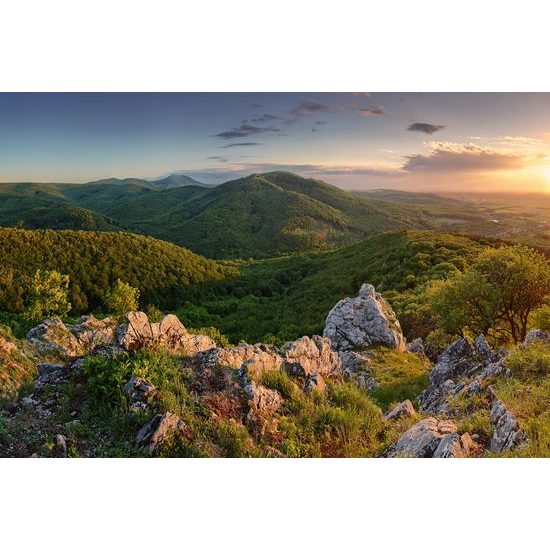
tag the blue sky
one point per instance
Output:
(354, 140)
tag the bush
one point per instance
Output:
(122, 298)
(48, 296)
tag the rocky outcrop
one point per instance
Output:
(402, 410)
(92, 332)
(432, 438)
(313, 355)
(506, 431)
(139, 392)
(53, 337)
(416, 346)
(259, 358)
(355, 368)
(363, 321)
(261, 398)
(462, 367)
(136, 332)
(163, 426)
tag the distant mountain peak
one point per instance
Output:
(175, 180)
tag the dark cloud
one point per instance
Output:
(374, 111)
(308, 108)
(214, 158)
(425, 128)
(244, 144)
(245, 130)
(462, 158)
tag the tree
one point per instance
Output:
(122, 298)
(495, 295)
(48, 296)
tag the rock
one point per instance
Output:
(455, 446)
(315, 382)
(535, 335)
(506, 431)
(353, 361)
(135, 332)
(404, 409)
(259, 358)
(261, 398)
(363, 321)
(52, 336)
(423, 439)
(92, 332)
(158, 430)
(48, 368)
(60, 446)
(139, 392)
(456, 361)
(174, 336)
(307, 356)
(416, 346)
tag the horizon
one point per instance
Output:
(437, 142)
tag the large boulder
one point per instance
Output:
(135, 331)
(363, 321)
(507, 433)
(307, 356)
(401, 410)
(431, 438)
(163, 426)
(53, 337)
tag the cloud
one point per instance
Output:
(425, 127)
(244, 144)
(462, 158)
(316, 124)
(308, 108)
(214, 158)
(373, 111)
(263, 119)
(245, 130)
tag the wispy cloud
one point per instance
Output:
(243, 144)
(425, 127)
(308, 108)
(245, 130)
(456, 157)
(373, 111)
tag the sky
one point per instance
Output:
(478, 142)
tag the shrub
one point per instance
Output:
(122, 298)
(48, 296)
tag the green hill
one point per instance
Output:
(261, 215)
(283, 298)
(95, 260)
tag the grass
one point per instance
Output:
(399, 376)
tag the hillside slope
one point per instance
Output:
(95, 260)
(258, 216)
(281, 298)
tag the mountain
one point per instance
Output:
(257, 216)
(95, 260)
(175, 180)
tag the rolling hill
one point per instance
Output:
(258, 216)
(95, 260)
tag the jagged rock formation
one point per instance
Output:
(52, 336)
(307, 356)
(92, 332)
(462, 367)
(506, 431)
(432, 438)
(139, 392)
(153, 434)
(363, 321)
